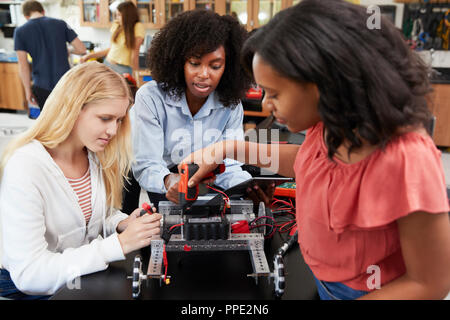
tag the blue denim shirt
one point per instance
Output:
(164, 132)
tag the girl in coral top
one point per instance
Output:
(371, 202)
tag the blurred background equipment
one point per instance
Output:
(427, 25)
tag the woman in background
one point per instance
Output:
(127, 36)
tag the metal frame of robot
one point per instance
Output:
(253, 242)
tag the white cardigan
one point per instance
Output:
(46, 242)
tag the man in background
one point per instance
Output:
(45, 40)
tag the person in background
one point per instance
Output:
(194, 100)
(371, 202)
(127, 36)
(62, 186)
(45, 40)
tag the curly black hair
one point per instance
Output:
(371, 83)
(195, 33)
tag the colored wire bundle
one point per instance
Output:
(283, 219)
(267, 223)
(226, 199)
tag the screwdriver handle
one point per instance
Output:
(146, 208)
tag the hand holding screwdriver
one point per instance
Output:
(139, 228)
(147, 208)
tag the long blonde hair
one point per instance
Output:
(88, 82)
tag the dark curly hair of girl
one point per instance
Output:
(371, 84)
(195, 33)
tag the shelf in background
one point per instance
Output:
(256, 113)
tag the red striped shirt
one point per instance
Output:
(82, 188)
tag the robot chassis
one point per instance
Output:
(253, 242)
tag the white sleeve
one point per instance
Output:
(113, 220)
(33, 268)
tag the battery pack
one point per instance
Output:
(212, 228)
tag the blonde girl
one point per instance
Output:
(61, 187)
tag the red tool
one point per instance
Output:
(254, 93)
(146, 208)
(129, 78)
(189, 195)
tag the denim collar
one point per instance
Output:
(210, 104)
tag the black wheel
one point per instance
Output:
(137, 272)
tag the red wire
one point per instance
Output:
(282, 201)
(279, 212)
(282, 207)
(261, 225)
(286, 224)
(265, 217)
(265, 225)
(218, 191)
(283, 227)
(175, 225)
(223, 193)
(166, 264)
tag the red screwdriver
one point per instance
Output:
(146, 208)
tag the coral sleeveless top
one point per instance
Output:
(346, 213)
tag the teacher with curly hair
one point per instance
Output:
(193, 100)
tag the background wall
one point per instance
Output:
(400, 8)
(441, 59)
(69, 11)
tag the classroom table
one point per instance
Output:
(198, 276)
